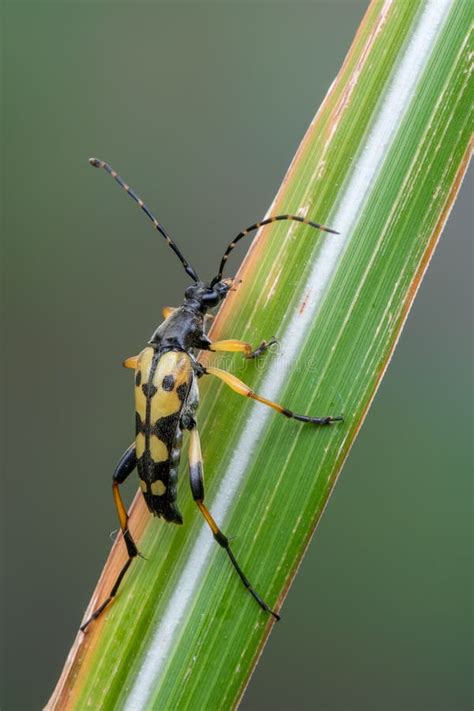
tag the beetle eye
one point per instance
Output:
(211, 298)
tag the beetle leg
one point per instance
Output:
(124, 467)
(131, 362)
(167, 311)
(242, 389)
(196, 478)
(242, 347)
(259, 350)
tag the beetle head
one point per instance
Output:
(202, 296)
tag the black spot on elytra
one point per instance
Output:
(165, 428)
(168, 383)
(139, 425)
(149, 390)
(138, 378)
(182, 391)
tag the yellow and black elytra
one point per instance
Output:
(167, 398)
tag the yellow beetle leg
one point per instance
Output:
(242, 347)
(196, 479)
(231, 346)
(131, 362)
(125, 467)
(242, 389)
(167, 311)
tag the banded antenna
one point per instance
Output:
(187, 267)
(268, 220)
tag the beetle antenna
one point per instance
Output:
(101, 164)
(267, 221)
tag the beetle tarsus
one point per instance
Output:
(261, 349)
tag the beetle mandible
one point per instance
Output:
(167, 398)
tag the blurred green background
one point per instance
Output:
(201, 107)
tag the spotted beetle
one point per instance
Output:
(167, 398)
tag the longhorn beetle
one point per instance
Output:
(167, 397)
